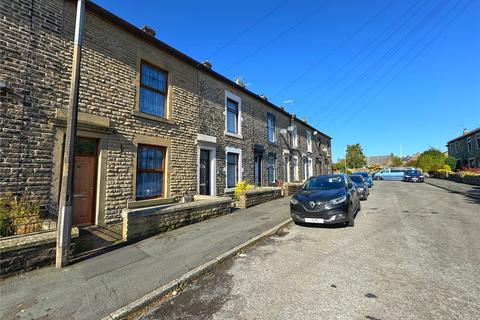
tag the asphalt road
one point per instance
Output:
(414, 253)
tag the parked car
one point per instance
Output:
(413, 176)
(326, 199)
(361, 185)
(390, 174)
(367, 178)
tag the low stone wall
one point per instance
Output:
(145, 222)
(472, 180)
(291, 188)
(30, 251)
(257, 196)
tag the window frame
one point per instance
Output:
(141, 85)
(294, 137)
(272, 167)
(477, 139)
(469, 144)
(309, 141)
(239, 167)
(139, 170)
(271, 116)
(238, 100)
(456, 147)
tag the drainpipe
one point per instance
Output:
(64, 224)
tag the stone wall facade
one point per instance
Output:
(36, 66)
(253, 197)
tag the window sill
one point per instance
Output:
(234, 135)
(134, 204)
(152, 117)
(229, 190)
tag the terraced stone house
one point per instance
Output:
(154, 125)
(466, 148)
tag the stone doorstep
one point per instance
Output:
(31, 240)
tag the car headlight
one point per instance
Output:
(338, 200)
(407, 177)
(294, 201)
(421, 177)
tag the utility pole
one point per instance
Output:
(64, 224)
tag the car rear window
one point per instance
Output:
(356, 178)
(324, 183)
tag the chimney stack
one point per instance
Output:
(148, 30)
(264, 97)
(207, 64)
(465, 131)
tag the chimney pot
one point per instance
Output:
(465, 131)
(148, 30)
(207, 64)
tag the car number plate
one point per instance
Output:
(314, 220)
(415, 179)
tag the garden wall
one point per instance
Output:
(291, 188)
(257, 196)
(145, 222)
(30, 251)
(473, 180)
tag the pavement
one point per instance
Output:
(94, 288)
(452, 186)
(414, 253)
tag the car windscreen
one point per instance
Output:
(397, 170)
(356, 178)
(324, 183)
(363, 174)
(412, 173)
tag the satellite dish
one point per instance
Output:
(283, 131)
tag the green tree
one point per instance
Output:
(396, 161)
(412, 163)
(452, 162)
(339, 166)
(355, 157)
(431, 160)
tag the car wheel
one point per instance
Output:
(351, 220)
(360, 205)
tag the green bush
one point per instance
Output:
(431, 160)
(452, 162)
(446, 169)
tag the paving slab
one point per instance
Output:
(96, 287)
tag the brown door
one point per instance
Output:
(84, 181)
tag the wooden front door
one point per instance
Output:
(84, 181)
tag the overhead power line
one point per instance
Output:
(361, 51)
(415, 57)
(384, 59)
(244, 31)
(325, 57)
(278, 36)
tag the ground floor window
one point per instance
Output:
(232, 169)
(272, 158)
(471, 163)
(150, 171)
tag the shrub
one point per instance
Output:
(431, 160)
(241, 187)
(452, 162)
(446, 168)
(18, 215)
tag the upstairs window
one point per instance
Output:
(232, 116)
(150, 171)
(153, 90)
(293, 137)
(309, 141)
(456, 147)
(270, 127)
(469, 144)
(477, 137)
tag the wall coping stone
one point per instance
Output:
(261, 190)
(169, 208)
(31, 240)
